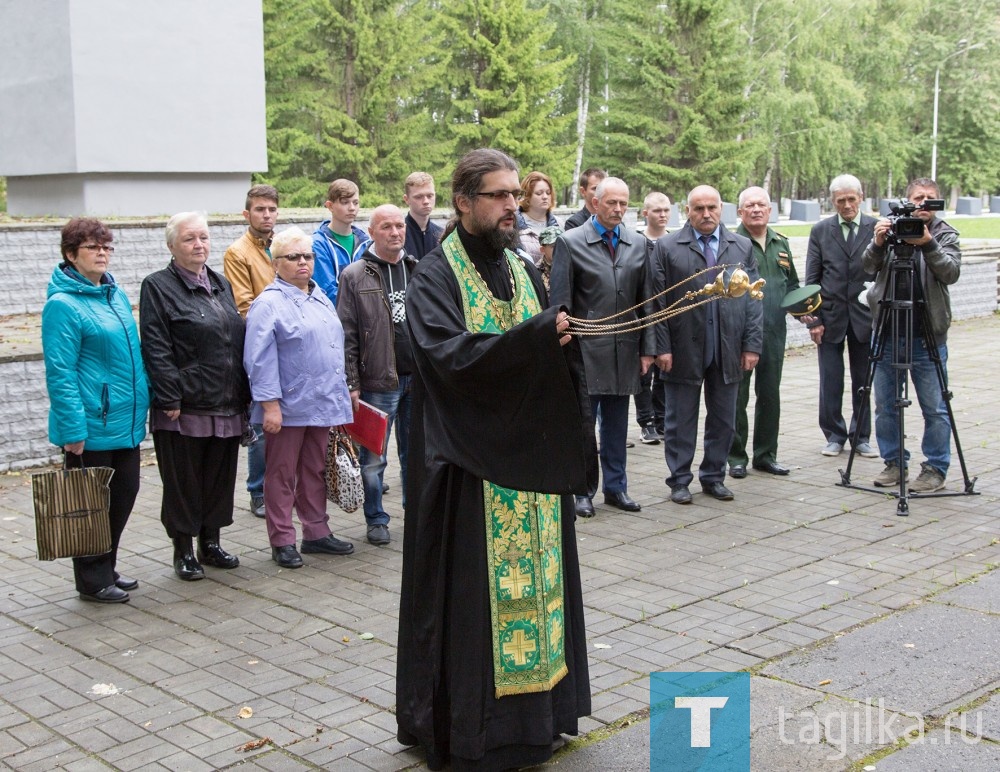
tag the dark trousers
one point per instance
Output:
(831, 389)
(613, 410)
(767, 407)
(199, 476)
(95, 572)
(680, 424)
(649, 401)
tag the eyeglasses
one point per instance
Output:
(296, 257)
(98, 247)
(499, 195)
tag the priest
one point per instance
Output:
(492, 659)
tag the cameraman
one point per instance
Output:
(937, 262)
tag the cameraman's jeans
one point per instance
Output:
(255, 464)
(936, 443)
(398, 405)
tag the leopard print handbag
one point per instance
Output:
(343, 472)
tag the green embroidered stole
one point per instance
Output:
(523, 529)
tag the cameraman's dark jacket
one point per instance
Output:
(939, 262)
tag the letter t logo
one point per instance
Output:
(701, 717)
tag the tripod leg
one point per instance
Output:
(875, 353)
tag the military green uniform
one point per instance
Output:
(776, 267)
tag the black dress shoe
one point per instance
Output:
(124, 583)
(188, 568)
(329, 545)
(110, 594)
(738, 471)
(584, 506)
(717, 491)
(620, 500)
(210, 553)
(680, 494)
(772, 467)
(287, 556)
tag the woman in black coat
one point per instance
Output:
(192, 344)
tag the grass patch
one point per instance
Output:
(967, 227)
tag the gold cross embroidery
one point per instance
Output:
(515, 581)
(519, 648)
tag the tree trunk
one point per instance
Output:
(582, 110)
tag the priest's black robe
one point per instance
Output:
(511, 409)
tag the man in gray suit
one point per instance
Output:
(713, 344)
(600, 269)
(833, 261)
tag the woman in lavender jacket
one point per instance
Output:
(294, 355)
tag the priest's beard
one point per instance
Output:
(497, 237)
(500, 239)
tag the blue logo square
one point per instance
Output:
(699, 721)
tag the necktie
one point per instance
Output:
(850, 237)
(706, 243)
(609, 242)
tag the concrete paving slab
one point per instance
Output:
(910, 659)
(983, 594)
(939, 751)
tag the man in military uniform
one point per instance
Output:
(774, 260)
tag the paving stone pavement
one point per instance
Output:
(839, 608)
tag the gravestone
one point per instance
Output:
(131, 107)
(969, 205)
(805, 210)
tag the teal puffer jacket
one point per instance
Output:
(93, 366)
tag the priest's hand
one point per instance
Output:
(562, 324)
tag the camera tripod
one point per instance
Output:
(902, 310)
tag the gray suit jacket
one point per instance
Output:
(586, 281)
(841, 277)
(678, 256)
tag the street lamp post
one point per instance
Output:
(962, 48)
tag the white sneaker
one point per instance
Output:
(833, 449)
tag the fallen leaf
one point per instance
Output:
(825, 682)
(245, 712)
(253, 745)
(345, 639)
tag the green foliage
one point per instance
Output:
(503, 83)
(667, 95)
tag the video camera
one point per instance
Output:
(904, 225)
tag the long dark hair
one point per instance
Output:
(469, 173)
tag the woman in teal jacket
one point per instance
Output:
(97, 386)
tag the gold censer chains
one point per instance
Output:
(738, 285)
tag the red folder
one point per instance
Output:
(369, 428)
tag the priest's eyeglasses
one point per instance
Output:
(499, 195)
